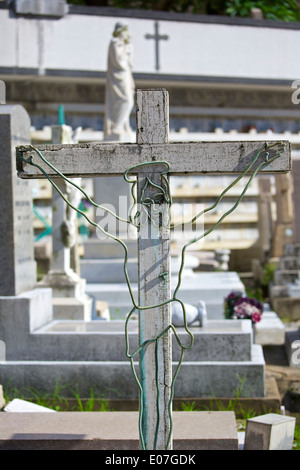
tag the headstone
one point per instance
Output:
(2, 92)
(69, 298)
(270, 432)
(296, 198)
(20, 303)
(265, 222)
(284, 226)
(284, 289)
(17, 264)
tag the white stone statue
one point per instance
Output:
(119, 86)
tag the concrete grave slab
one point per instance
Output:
(270, 330)
(211, 430)
(211, 287)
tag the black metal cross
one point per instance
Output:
(157, 37)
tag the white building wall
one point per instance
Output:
(80, 43)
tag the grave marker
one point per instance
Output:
(265, 222)
(18, 268)
(148, 159)
(19, 300)
(283, 231)
(69, 298)
(2, 92)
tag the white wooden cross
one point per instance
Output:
(111, 159)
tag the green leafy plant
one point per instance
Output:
(89, 403)
(268, 273)
(256, 293)
(296, 445)
(57, 400)
(189, 406)
(288, 10)
(233, 404)
(239, 7)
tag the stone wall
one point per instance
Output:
(198, 109)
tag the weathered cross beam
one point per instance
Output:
(103, 159)
(109, 159)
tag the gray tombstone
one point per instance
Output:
(296, 197)
(284, 226)
(20, 303)
(70, 301)
(265, 221)
(17, 264)
(2, 92)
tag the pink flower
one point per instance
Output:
(239, 306)
(256, 317)
(246, 310)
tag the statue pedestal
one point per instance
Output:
(69, 298)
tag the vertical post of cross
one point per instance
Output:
(154, 279)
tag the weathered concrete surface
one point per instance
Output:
(114, 379)
(270, 432)
(18, 267)
(112, 431)
(101, 159)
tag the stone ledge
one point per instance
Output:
(115, 378)
(270, 402)
(197, 430)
